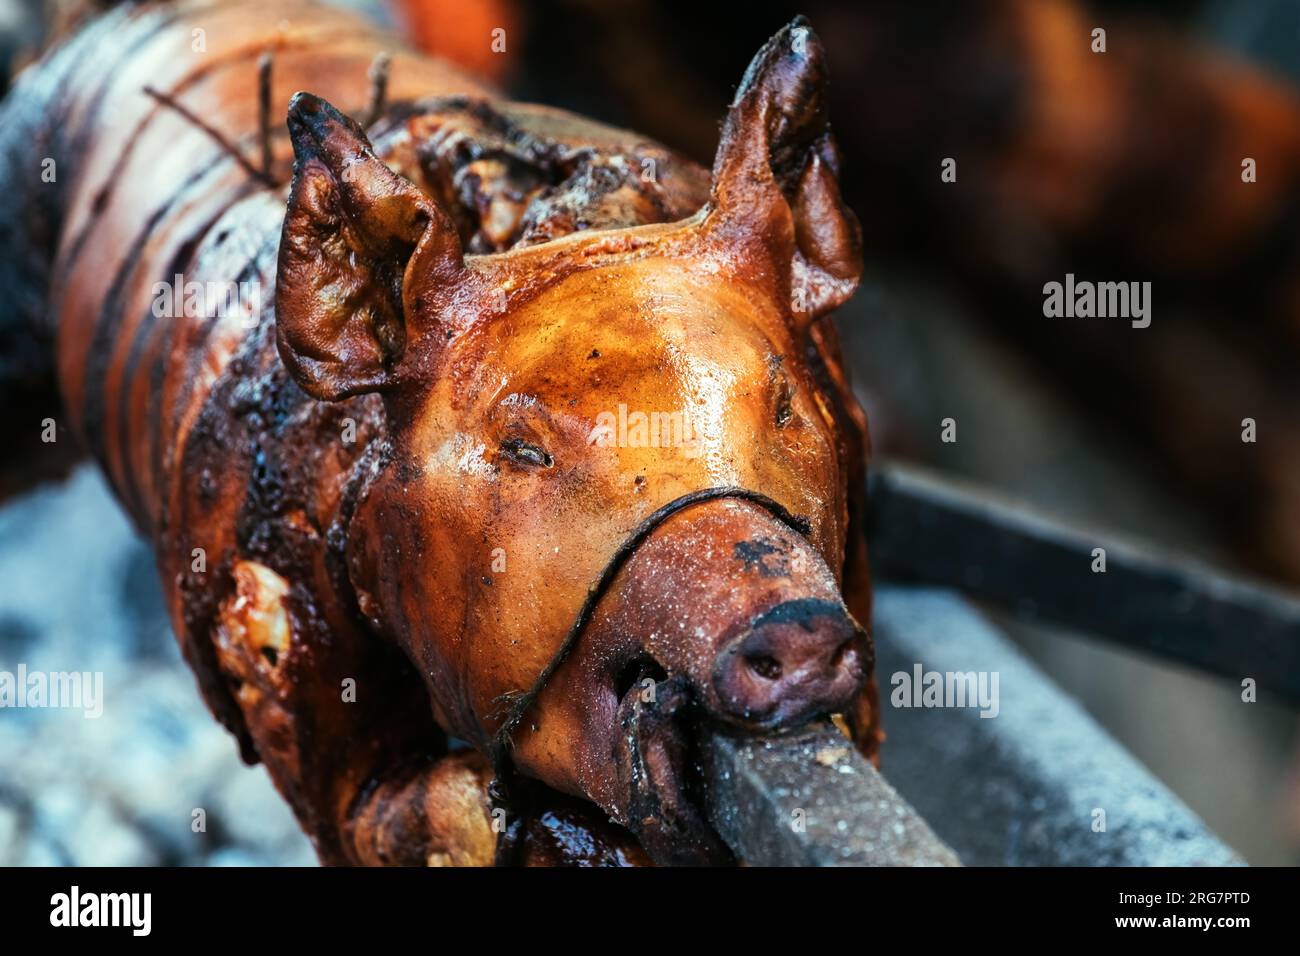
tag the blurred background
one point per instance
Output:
(1117, 166)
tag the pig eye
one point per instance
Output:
(782, 389)
(526, 453)
(784, 403)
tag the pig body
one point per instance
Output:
(382, 506)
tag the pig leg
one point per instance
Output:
(327, 722)
(441, 815)
(370, 780)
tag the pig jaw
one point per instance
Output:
(724, 617)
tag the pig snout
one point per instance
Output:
(723, 614)
(747, 611)
(801, 658)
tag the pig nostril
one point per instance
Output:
(765, 666)
(837, 659)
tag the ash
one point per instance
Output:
(79, 592)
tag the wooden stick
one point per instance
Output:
(264, 110)
(213, 134)
(378, 87)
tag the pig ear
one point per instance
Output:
(776, 175)
(357, 238)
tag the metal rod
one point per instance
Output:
(810, 799)
(926, 528)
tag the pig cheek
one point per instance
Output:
(417, 604)
(410, 559)
(571, 740)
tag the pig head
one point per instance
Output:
(610, 502)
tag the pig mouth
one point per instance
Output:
(663, 723)
(660, 728)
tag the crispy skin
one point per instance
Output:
(331, 486)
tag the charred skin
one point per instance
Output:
(391, 493)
